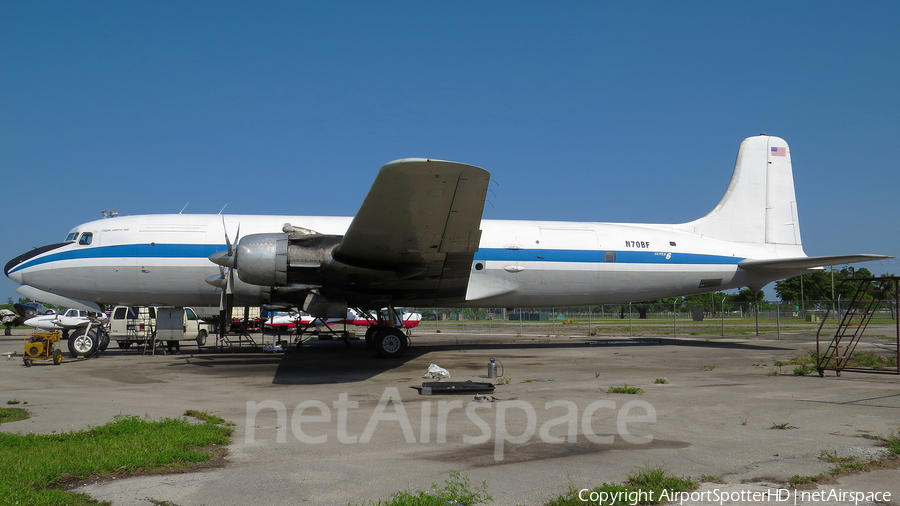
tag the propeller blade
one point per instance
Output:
(227, 242)
(222, 314)
(226, 304)
(227, 261)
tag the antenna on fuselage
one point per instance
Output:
(223, 208)
(183, 208)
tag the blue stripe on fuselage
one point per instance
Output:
(484, 254)
(594, 256)
(129, 251)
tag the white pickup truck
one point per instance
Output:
(130, 325)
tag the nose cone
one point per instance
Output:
(13, 269)
(15, 276)
(216, 281)
(222, 258)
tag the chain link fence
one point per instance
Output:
(728, 319)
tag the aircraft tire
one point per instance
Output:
(103, 341)
(391, 343)
(370, 336)
(82, 344)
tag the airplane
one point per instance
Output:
(290, 320)
(71, 319)
(419, 240)
(23, 311)
(403, 319)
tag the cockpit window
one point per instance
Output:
(71, 237)
(86, 238)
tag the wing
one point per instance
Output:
(792, 264)
(421, 219)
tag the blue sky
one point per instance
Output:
(582, 111)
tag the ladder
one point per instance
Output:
(869, 295)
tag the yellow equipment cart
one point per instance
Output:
(42, 346)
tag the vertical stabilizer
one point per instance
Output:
(759, 206)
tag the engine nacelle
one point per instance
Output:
(282, 259)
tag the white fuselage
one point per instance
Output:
(163, 260)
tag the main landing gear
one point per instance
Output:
(387, 341)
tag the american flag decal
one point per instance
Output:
(778, 152)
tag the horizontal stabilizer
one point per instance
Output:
(790, 264)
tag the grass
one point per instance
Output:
(503, 381)
(711, 478)
(707, 367)
(13, 401)
(802, 370)
(860, 359)
(782, 426)
(892, 443)
(647, 479)
(844, 466)
(872, 360)
(661, 381)
(625, 389)
(206, 417)
(13, 414)
(35, 467)
(456, 490)
(810, 359)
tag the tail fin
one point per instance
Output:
(759, 206)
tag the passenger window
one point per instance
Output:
(119, 314)
(609, 256)
(132, 313)
(86, 238)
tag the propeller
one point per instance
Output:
(227, 261)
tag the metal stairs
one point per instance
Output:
(870, 295)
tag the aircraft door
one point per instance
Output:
(526, 257)
(570, 255)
